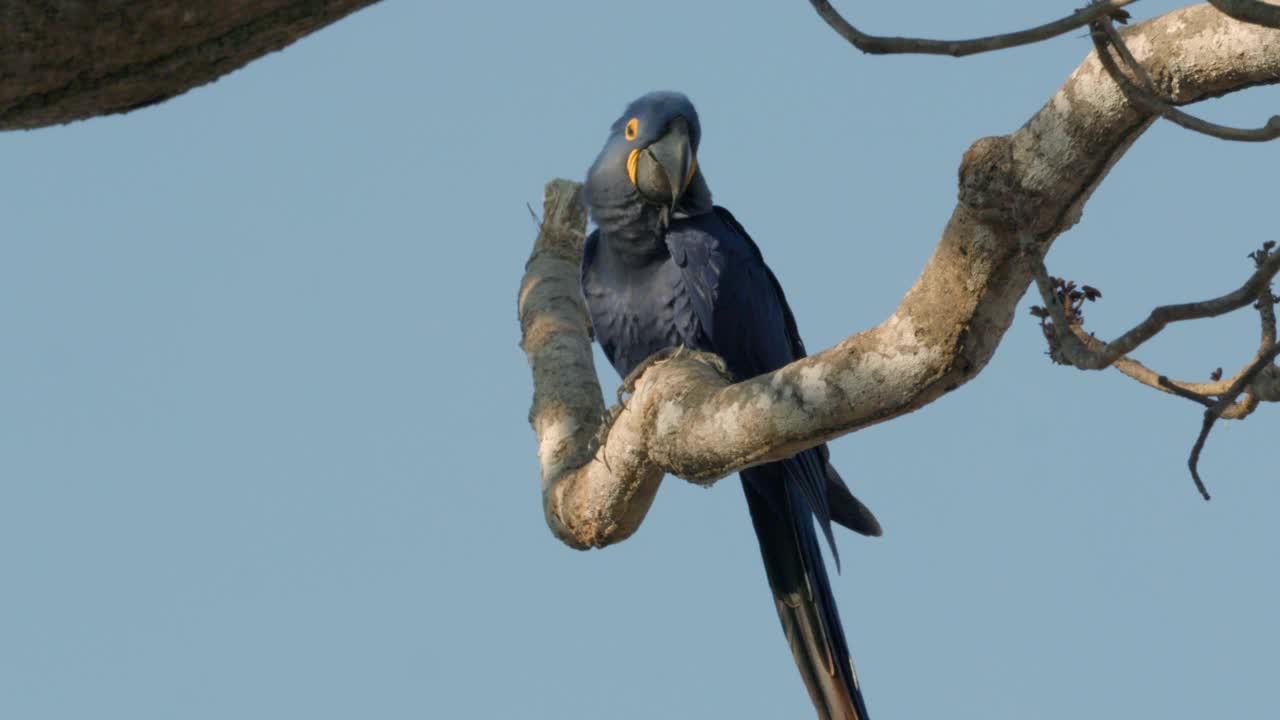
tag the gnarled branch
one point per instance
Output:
(684, 419)
(76, 59)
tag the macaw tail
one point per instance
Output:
(798, 577)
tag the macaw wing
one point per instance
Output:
(732, 296)
(846, 509)
(789, 318)
(740, 307)
(607, 325)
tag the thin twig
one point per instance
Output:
(1200, 392)
(1194, 461)
(1266, 304)
(1118, 42)
(883, 45)
(1212, 414)
(1165, 383)
(1145, 375)
(1250, 11)
(1073, 351)
(1245, 407)
(1182, 388)
(1105, 35)
(1061, 320)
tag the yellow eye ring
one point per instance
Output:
(633, 127)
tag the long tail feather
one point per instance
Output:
(802, 593)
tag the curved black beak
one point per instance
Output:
(665, 167)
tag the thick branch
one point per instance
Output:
(76, 59)
(1145, 99)
(684, 420)
(882, 45)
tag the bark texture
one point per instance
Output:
(683, 418)
(75, 59)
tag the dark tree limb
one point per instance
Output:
(882, 45)
(1219, 409)
(1250, 11)
(76, 59)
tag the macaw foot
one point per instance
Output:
(670, 353)
(628, 385)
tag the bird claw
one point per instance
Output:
(628, 385)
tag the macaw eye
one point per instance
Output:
(633, 127)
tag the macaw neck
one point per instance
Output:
(635, 249)
(634, 232)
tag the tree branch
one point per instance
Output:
(1063, 325)
(1250, 11)
(1072, 349)
(882, 45)
(1201, 392)
(76, 59)
(684, 419)
(1219, 408)
(1104, 32)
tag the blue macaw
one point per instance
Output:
(666, 268)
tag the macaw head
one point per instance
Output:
(651, 159)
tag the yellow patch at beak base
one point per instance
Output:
(632, 160)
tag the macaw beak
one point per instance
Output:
(663, 170)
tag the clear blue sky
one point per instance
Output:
(263, 439)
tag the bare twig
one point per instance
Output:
(1193, 462)
(1062, 322)
(1250, 11)
(1164, 383)
(1113, 35)
(883, 45)
(1226, 401)
(1071, 350)
(1197, 392)
(1104, 34)
(1202, 392)
(1266, 304)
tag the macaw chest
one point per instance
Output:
(638, 312)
